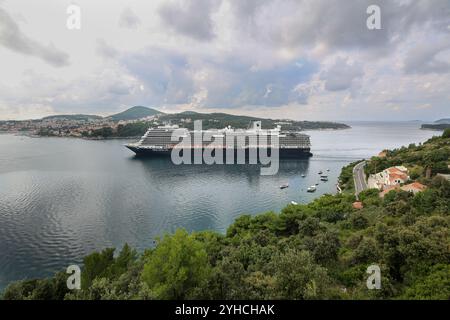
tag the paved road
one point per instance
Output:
(359, 178)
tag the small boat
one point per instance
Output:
(328, 169)
(320, 172)
(323, 176)
(303, 176)
(311, 189)
(294, 203)
(284, 186)
(317, 184)
(324, 179)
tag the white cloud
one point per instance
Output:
(289, 58)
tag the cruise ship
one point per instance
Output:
(158, 141)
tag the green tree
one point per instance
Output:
(177, 265)
(446, 133)
(96, 265)
(434, 286)
(324, 247)
(298, 277)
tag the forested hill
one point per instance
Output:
(209, 121)
(222, 120)
(319, 250)
(134, 113)
(440, 124)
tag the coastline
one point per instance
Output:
(98, 138)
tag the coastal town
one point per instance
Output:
(71, 126)
(394, 178)
(135, 121)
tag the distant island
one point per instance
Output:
(134, 121)
(438, 125)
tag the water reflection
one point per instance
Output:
(161, 168)
(60, 199)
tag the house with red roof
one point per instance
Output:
(414, 187)
(389, 177)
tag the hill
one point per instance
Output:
(441, 121)
(75, 117)
(436, 126)
(222, 120)
(209, 121)
(134, 113)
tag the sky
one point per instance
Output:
(296, 59)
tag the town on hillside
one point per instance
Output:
(135, 121)
(407, 169)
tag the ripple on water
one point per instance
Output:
(60, 199)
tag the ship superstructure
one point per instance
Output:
(158, 141)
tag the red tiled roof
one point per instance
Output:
(415, 185)
(393, 170)
(387, 189)
(357, 205)
(395, 176)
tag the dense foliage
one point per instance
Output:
(134, 113)
(346, 181)
(319, 250)
(221, 120)
(209, 121)
(423, 160)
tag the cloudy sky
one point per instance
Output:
(300, 59)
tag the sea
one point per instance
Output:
(63, 198)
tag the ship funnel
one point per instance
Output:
(256, 125)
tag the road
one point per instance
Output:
(359, 177)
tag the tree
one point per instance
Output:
(177, 265)
(324, 247)
(298, 277)
(358, 220)
(123, 261)
(96, 265)
(434, 286)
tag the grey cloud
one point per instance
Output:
(12, 38)
(341, 75)
(424, 58)
(191, 18)
(105, 50)
(300, 23)
(223, 82)
(128, 19)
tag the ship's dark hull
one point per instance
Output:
(291, 153)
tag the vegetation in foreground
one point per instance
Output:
(319, 250)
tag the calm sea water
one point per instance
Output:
(60, 199)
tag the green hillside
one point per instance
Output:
(74, 117)
(221, 120)
(436, 126)
(134, 113)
